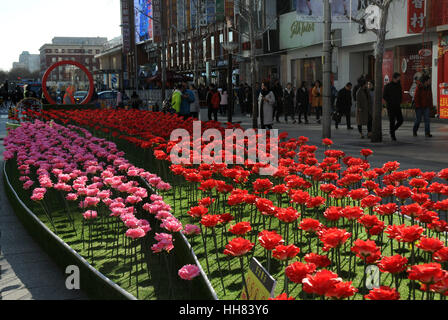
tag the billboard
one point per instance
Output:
(143, 24)
(313, 10)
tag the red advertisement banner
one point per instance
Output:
(416, 16)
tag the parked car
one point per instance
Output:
(80, 96)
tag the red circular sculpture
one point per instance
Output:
(67, 62)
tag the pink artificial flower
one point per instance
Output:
(135, 233)
(90, 214)
(192, 229)
(189, 272)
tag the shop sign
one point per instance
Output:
(444, 103)
(126, 28)
(416, 16)
(260, 284)
(295, 33)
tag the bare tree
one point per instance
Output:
(248, 11)
(380, 33)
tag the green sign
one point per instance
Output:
(295, 33)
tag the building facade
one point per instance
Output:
(411, 54)
(30, 62)
(80, 49)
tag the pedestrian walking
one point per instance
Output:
(187, 100)
(135, 100)
(288, 102)
(393, 95)
(223, 105)
(176, 98)
(423, 102)
(266, 102)
(344, 105)
(364, 109)
(195, 107)
(278, 106)
(213, 102)
(316, 96)
(303, 101)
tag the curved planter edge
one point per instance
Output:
(187, 247)
(92, 282)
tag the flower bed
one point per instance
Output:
(101, 205)
(317, 226)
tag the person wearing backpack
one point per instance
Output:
(213, 102)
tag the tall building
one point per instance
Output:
(30, 62)
(80, 49)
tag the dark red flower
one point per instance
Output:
(366, 250)
(358, 194)
(352, 213)
(366, 152)
(333, 213)
(441, 255)
(320, 261)
(197, 212)
(409, 234)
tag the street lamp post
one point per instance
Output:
(230, 47)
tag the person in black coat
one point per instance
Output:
(344, 105)
(278, 93)
(393, 95)
(288, 102)
(302, 102)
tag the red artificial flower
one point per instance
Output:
(238, 247)
(428, 273)
(333, 213)
(211, 221)
(287, 215)
(383, 293)
(409, 234)
(320, 283)
(441, 255)
(197, 212)
(327, 188)
(412, 210)
(269, 239)
(333, 237)
(352, 213)
(358, 194)
(370, 201)
(327, 142)
(315, 202)
(341, 290)
(300, 197)
(320, 261)
(366, 152)
(297, 271)
(366, 250)
(262, 185)
(402, 193)
(240, 228)
(394, 264)
(265, 206)
(430, 244)
(282, 296)
(310, 225)
(283, 253)
(280, 189)
(206, 202)
(226, 218)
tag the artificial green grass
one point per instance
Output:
(231, 268)
(111, 252)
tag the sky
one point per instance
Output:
(26, 25)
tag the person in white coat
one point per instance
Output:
(266, 102)
(195, 107)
